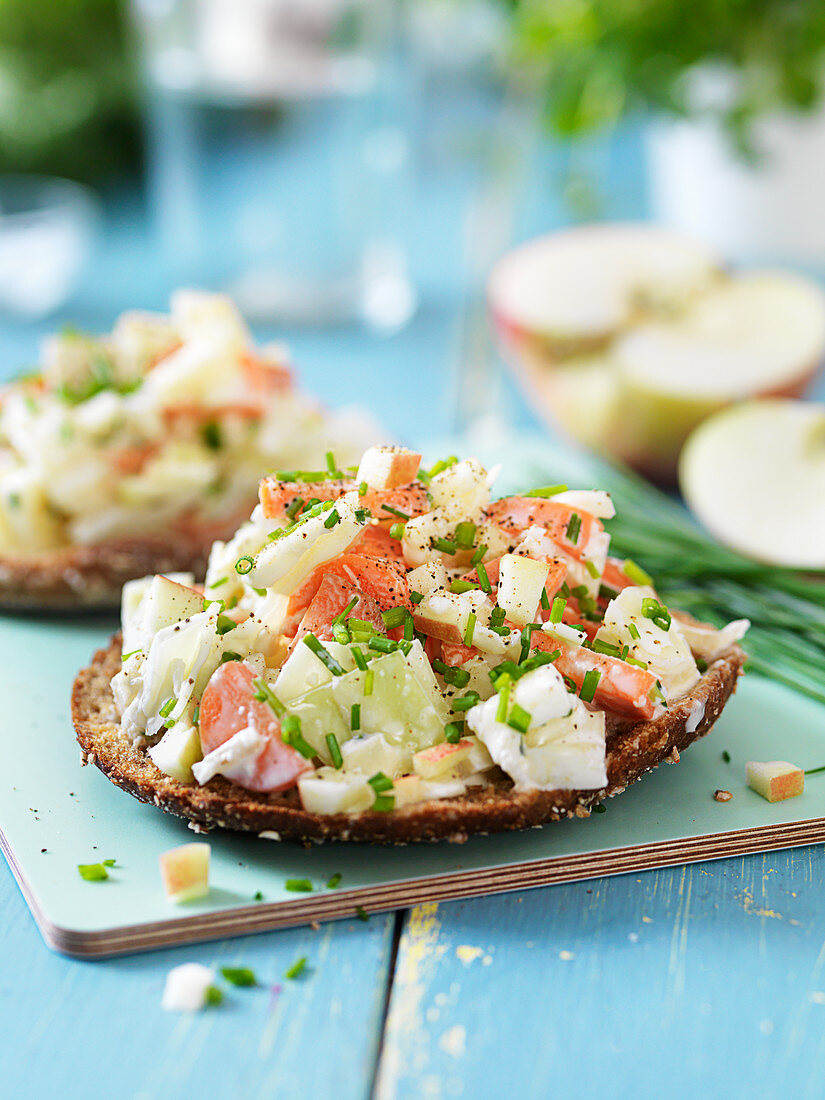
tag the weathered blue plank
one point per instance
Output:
(81, 1029)
(701, 980)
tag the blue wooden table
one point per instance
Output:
(704, 980)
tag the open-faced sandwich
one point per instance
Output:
(131, 453)
(394, 656)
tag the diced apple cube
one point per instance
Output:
(330, 792)
(408, 790)
(443, 615)
(441, 761)
(177, 751)
(775, 780)
(428, 578)
(521, 582)
(388, 467)
(185, 872)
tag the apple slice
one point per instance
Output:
(185, 872)
(570, 292)
(755, 477)
(388, 467)
(775, 780)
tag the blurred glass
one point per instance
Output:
(279, 164)
(47, 227)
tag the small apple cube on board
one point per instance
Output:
(185, 872)
(521, 582)
(775, 780)
(388, 467)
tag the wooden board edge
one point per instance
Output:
(377, 899)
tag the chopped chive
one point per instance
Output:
(497, 617)
(323, 655)
(355, 716)
(607, 593)
(384, 803)
(478, 555)
(446, 546)
(557, 610)
(465, 533)
(298, 885)
(636, 573)
(331, 467)
(363, 488)
(589, 685)
(332, 519)
(547, 491)
(380, 782)
(460, 585)
(393, 511)
(416, 597)
(574, 528)
(381, 644)
(92, 872)
(439, 468)
(470, 629)
(361, 913)
(213, 995)
(633, 631)
(369, 680)
(656, 612)
(396, 616)
(397, 531)
(126, 656)
(503, 697)
(409, 628)
(484, 580)
(239, 975)
(335, 749)
(334, 880)
(339, 618)
(459, 677)
(261, 592)
(340, 634)
(591, 568)
(196, 713)
(295, 507)
(362, 514)
(701, 664)
(360, 659)
(726, 756)
(219, 582)
(453, 731)
(167, 707)
(244, 565)
(598, 646)
(291, 735)
(638, 664)
(815, 771)
(600, 808)
(519, 719)
(225, 624)
(544, 600)
(265, 694)
(297, 968)
(258, 895)
(466, 702)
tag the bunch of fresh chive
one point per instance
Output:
(694, 573)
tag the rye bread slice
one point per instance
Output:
(633, 748)
(90, 578)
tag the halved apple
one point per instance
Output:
(571, 292)
(755, 477)
(648, 382)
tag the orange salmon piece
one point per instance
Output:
(382, 580)
(515, 514)
(227, 706)
(332, 597)
(622, 688)
(276, 496)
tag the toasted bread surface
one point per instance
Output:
(90, 578)
(633, 748)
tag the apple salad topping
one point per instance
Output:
(387, 635)
(164, 424)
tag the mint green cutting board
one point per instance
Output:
(55, 814)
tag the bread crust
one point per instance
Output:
(90, 578)
(633, 748)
